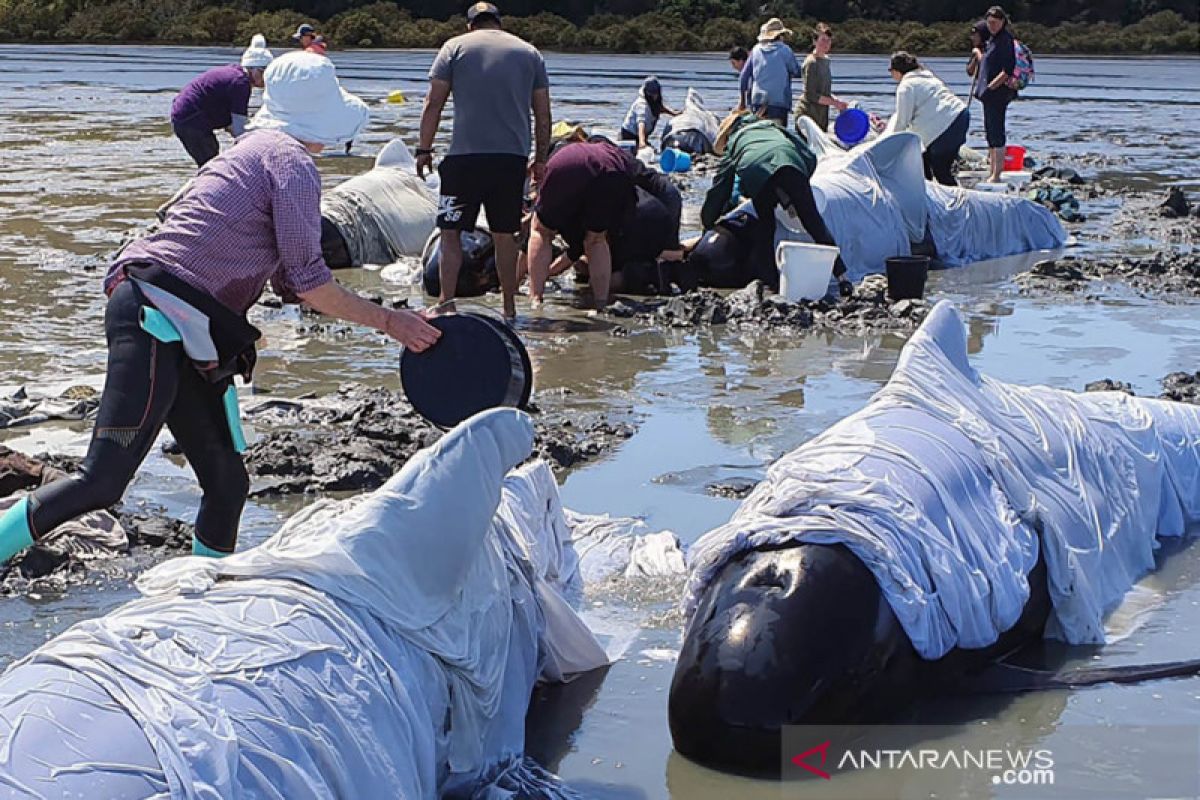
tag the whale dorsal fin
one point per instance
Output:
(395, 154)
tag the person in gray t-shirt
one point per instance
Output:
(496, 79)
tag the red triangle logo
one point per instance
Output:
(823, 749)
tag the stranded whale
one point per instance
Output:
(382, 646)
(948, 522)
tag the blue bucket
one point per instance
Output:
(673, 160)
(852, 125)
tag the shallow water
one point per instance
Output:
(88, 156)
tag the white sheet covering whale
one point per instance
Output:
(876, 202)
(944, 481)
(382, 646)
(385, 213)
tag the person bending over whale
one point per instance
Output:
(588, 185)
(177, 301)
(218, 98)
(773, 166)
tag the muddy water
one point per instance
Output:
(88, 155)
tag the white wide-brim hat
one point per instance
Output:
(303, 99)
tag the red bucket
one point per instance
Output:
(1014, 158)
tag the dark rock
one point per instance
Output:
(733, 488)
(1165, 273)
(359, 437)
(1108, 385)
(1183, 387)
(755, 306)
(1176, 204)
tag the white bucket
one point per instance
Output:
(1017, 180)
(804, 269)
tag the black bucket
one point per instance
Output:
(906, 277)
(477, 364)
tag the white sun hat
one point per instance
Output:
(303, 99)
(257, 55)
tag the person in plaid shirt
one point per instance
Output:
(177, 299)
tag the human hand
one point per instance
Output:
(411, 330)
(424, 165)
(841, 105)
(537, 172)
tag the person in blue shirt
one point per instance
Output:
(766, 80)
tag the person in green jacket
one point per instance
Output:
(772, 166)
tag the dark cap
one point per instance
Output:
(303, 30)
(482, 8)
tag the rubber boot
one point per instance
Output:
(15, 535)
(199, 548)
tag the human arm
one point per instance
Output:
(406, 327)
(431, 116)
(905, 107)
(541, 134)
(643, 140)
(973, 61)
(745, 80)
(719, 195)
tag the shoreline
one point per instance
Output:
(158, 43)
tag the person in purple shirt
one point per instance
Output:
(177, 301)
(589, 188)
(216, 99)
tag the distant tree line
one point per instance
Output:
(629, 26)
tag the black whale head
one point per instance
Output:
(794, 636)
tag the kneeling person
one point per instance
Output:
(588, 186)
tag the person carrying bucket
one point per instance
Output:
(927, 107)
(818, 95)
(218, 98)
(765, 83)
(497, 79)
(642, 117)
(177, 302)
(772, 165)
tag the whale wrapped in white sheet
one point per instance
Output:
(382, 646)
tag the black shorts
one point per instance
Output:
(495, 181)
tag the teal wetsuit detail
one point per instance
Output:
(201, 549)
(15, 534)
(155, 323)
(234, 419)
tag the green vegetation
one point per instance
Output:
(630, 26)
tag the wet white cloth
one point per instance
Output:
(611, 546)
(876, 202)
(382, 646)
(943, 483)
(695, 116)
(303, 98)
(385, 213)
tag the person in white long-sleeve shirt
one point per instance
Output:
(927, 107)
